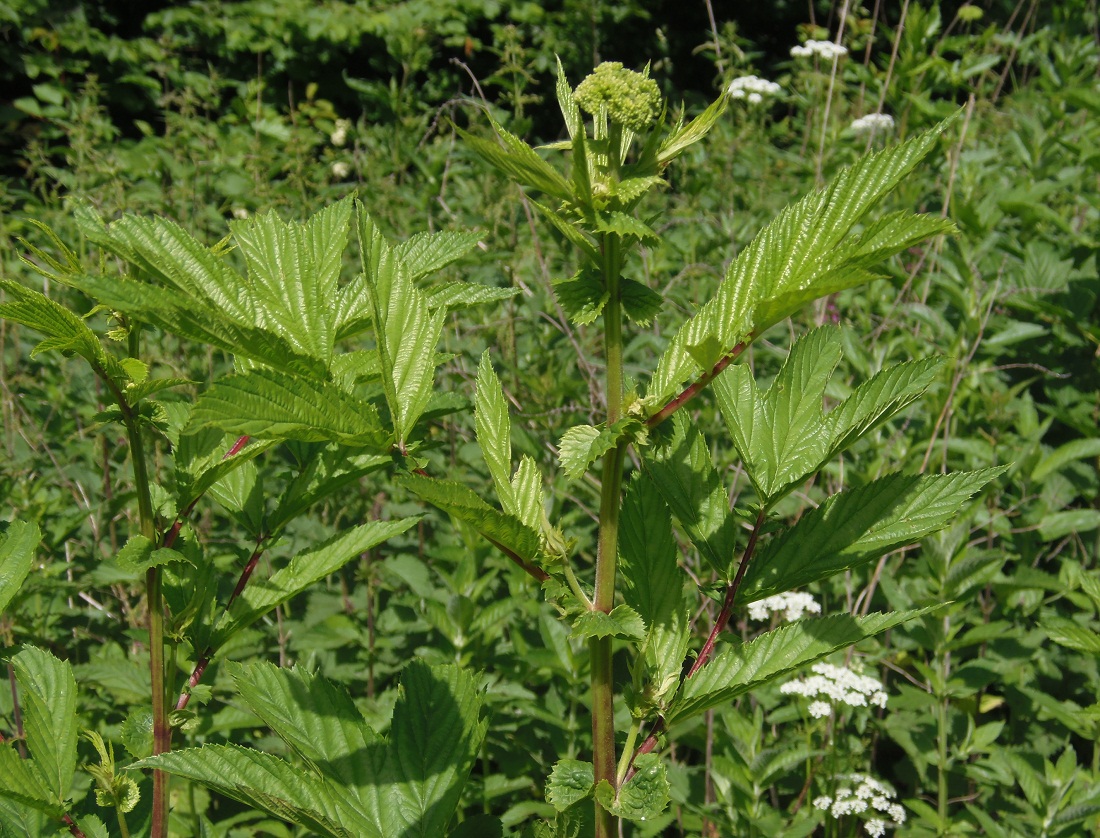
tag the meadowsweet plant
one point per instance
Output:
(864, 799)
(334, 379)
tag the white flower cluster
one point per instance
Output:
(869, 795)
(872, 123)
(339, 134)
(792, 604)
(340, 170)
(837, 684)
(240, 213)
(753, 89)
(826, 49)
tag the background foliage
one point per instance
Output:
(211, 111)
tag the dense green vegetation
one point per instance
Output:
(346, 396)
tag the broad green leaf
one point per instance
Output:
(643, 796)
(195, 476)
(494, 431)
(582, 445)
(519, 161)
(270, 785)
(426, 253)
(1072, 635)
(139, 554)
(327, 472)
(623, 621)
(640, 304)
(269, 404)
(570, 782)
(627, 226)
(857, 526)
(808, 251)
(435, 736)
(781, 433)
(136, 392)
(64, 331)
(582, 297)
(1078, 449)
(262, 595)
(456, 295)
(406, 332)
(1060, 524)
(47, 693)
(20, 783)
(17, 546)
(293, 270)
(315, 717)
(500, 528)
(654, 584)
(739, 667)
(683, 473)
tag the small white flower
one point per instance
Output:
(753, 89)
(793, 604)
(240, 213)
(875, 827)
(838, 685)
(868, 797)
(826, 49)
(339, 134)
(872, 123)
(820, 709)
(340, 170)
(823, 802)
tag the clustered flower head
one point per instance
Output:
(632, 99)
(339, 134)
(340, 170)
(873, 122)
(826, 49)
(792, 604)
(869, 796)
(839, 685)
(753, 89)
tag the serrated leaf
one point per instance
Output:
(47, 692)
(136, 732)
(808, 251)
(270, 404)
(456, 295)
(570, 782)
(135, 393)
(623, 621)
(19, 783)
(139, 554)
(1072, 635)
(17, 546)
(740, 667)
(494, 431)
(262, 595)
(684, 475)
(582, 297)
(568, 107)
(498, 527)
(654, 584)
(315, 717)
(643, 796)
(425, 253)
(195, 474)
(686, 136)
(519, 161)
(627, 226)
(857, 526)
(582, 445)
(271, 785)
(575, 236)
(1060, 524)
(640, 304)
(527, 489)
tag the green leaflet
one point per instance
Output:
(1072, 635)
(570, 782)
(20, 784)
(582, 297)
(582, 445)
(425, 253)
(494, 431)
(273, 405)
(406, 332)
(627, 226)
(623, 621)
(17, 547)
(643, 796)
(684, 136)
(807, 252)
(782, 433)
(654, 585)
(47, 693)
(262, 595)
(740, 667)
(857, 526)
(581, 240)
(527, 490)
(684, 475)
(1078, 449)
(456, 295)
(640, 304)
(271, 785)
(519, 161)
(500, 528)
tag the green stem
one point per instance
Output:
(627, 758)
(603, 688)
(162, 733)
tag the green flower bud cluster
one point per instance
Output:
(631, 99)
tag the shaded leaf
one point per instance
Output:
(47, 693)
(570, 782)
(582, 445)
(17, 547)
